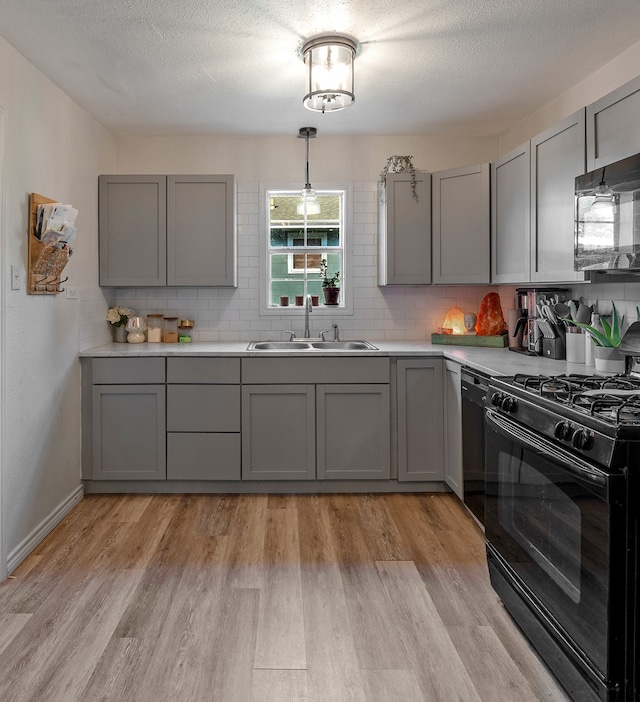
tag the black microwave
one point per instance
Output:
(607, 218)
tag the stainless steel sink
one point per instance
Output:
(344, 345)
(311, 345)
(278, 346)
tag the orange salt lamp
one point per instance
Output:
(454, 320)
(490, 320)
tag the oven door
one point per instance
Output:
(556, 525)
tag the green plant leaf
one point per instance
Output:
(598, 337)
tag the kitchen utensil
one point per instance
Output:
(573, 308)
(583, 314)
(562, 310)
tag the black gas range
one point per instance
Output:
(562, 514)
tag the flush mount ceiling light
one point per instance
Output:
(308, 204)
(329, 65)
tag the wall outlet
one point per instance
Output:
(72, 292)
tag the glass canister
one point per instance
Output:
(170, 330)
(184, 335)
(154, 328)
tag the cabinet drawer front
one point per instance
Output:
(127, 370)
(315, 370)
(203, 408)
(203, 370)
(195, 456)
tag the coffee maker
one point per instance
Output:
(526, 331)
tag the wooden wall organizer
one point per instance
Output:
(46, 263)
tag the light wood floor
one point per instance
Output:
(222, 598)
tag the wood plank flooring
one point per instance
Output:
(263, 598)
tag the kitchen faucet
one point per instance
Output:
(308, 309)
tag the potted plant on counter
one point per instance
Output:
(330, 284)
(118, 318)
(607, 338)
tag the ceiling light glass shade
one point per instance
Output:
(308, 204)
(329, 73)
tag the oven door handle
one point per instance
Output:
(579, 469)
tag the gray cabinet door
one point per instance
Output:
(452, 427)
(420, 427)
(354, 432)
(404, 231)
(557, 157)
(613, 126)
(278, 432)
(461, 225)
(511, 217)
(201, 230)
(129, 432)
(208, 408)
(133, 230)
(201, 456)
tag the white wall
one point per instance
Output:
(56, 149)
(612, 75)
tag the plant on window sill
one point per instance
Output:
(330, 284)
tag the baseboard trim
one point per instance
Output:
(45, 527)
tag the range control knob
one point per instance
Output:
(509, 404)
(496, 399)
(582, 439)
(563, 430)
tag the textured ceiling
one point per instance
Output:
(234, 66)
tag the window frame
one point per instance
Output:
(346, 284)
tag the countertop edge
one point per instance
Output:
(493, 361)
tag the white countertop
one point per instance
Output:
(494, 361)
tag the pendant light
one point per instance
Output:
(308, 204)
(329, 72)
(604, 200)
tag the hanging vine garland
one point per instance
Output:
(398, 164)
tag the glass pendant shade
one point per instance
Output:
(329, 73)
(308, 204)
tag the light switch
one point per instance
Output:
(72, 292)
(15, 278)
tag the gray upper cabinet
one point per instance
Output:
(557, 157)
(133, 230)
(404, 231)
(613, 126)
(511, 217)
(167, 230)
(201, 230)
(461, 225)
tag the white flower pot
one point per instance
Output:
(609, 360)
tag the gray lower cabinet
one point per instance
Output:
(419, 420)
(123, 419)
(278, 432)
(452, 427)
(303, 420)
(511, 217)
(613, 127)
(128, 432)
(167, 230)
(353, 432)
(404, 231)
(203, 419)
(461, 225)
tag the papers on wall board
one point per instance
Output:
(55, 224)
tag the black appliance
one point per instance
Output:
(474, 386)
(561, 523)
(529, 302)
(607, 218)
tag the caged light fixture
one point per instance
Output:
(308, 204)
(329, 72)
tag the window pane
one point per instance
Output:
(281, 236)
